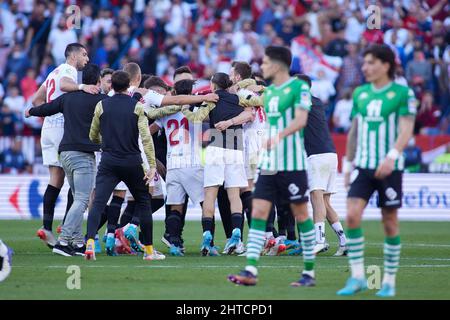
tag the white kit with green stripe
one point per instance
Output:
(377, 113)
(280, 104)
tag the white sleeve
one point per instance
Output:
(153, 98)
(70, 73)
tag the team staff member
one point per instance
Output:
(118, 122)
(76, 154)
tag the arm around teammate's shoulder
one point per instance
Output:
(47, 109)
(200, 114)
(187, 99)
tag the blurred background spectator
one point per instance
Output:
(327, 38)
(413, 156)
(13, 161)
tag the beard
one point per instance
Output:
(80, 66)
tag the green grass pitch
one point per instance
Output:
(38, 274)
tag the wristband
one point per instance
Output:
(80, 86)
(393, 154)
(347, 166)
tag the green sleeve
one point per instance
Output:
(94, 132)
(144, 132)
(408, 106)
(157, 113)
(355, 104)
(200, 114)
(302, 96)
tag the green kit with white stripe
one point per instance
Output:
(377, 112)
(280, 104)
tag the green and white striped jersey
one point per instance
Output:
(280, 104)
(377, 113)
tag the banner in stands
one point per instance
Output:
(425, 197)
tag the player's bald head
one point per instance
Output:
(134, 71)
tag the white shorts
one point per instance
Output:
(182, 181)
(157, 188)
(50, 140)
(322, 169)
(121, 186)
(252, 148)
(224, 166)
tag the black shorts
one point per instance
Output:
(389, 189)
(282, 187)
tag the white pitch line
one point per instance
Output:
(227, 266)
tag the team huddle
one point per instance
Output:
(261, 152)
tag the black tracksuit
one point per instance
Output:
(119, 120)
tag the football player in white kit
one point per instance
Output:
(184, 169)
(62, 79)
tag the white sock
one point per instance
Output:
(358, 271)
(269, 235)
(309, 273)
(337, 227)
(3, 249)
(389, 278)
(252, 269)
(320, 232)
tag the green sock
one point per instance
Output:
(392, 248)
(355, 243)
(255, 243)
(307, 237)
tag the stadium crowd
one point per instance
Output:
(162, 35)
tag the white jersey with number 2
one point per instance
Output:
(53, 91)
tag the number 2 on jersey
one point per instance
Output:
(173, 141)
(51, 87)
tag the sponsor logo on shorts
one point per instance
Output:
(293, 189)
(390, 193)
(392, 202)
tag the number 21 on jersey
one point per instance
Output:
(173, 140)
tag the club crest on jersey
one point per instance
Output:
(390, 95)
(287, 90)
(293, 189)
(363, 95)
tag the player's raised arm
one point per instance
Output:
(94, 133)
